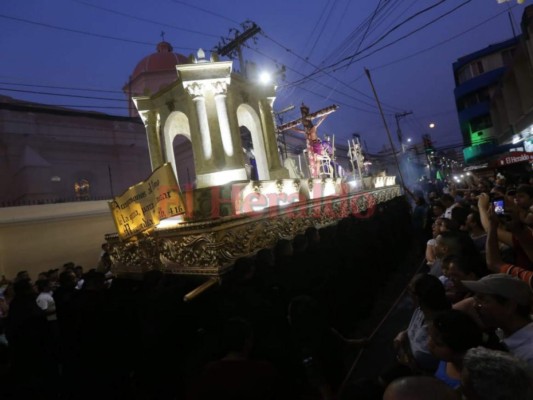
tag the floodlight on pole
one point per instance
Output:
(265, 78)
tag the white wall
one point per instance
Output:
(38, 238)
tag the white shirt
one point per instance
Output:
(46, 302)
(448, 212)
(520, 344)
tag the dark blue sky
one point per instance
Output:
(73, 44)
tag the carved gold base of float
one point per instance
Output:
(209, 246)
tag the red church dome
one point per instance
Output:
(164, 60)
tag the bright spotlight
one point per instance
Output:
(409, 140)
(265, 78)
(432, 125)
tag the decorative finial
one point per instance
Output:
(201, 55)
(162, 36)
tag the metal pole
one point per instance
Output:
(358, 161)
(110, 180)
(367, 72)
(200, 289)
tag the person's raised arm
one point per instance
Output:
(483, 203)
(492, 250)
(521, 232)
(494, 260)
(320, 121)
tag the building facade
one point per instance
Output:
(52, 154)
(494, 98)
(512, 103)
(477, 76)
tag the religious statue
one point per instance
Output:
(318, 152)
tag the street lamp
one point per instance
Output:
(265, 78)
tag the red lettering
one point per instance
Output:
(254, 200)
(217, 202)
(272, 204)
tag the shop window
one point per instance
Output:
(480, 123)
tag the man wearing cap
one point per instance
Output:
(503, 301)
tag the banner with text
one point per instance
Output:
(142, 206)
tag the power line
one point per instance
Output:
(61, 87)
(397, 26)
(158, 23)
(206, 11)
(44, 105)
(319, 35)
(442, 42)
(412, 32)
(351, 57)
(323, 84)
(62, 95)
(346, 44)
(376, 10)
(60, 28)
(339, 102)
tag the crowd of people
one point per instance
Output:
(472, 327)
(281, 323)
(278, 326)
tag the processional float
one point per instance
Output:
(201, 230)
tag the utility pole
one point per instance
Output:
(399, 116)
(367, 72)
(234, 47)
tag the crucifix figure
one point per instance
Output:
(317, 150)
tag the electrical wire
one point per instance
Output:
(469, 30)
(335, 66)
(42, 24)
(413, 32)
(63, 95)
(206, 11)
(324, 85)
(60, 87)
(158, 23)
(388, 106)
(321, 31)
(374, 14)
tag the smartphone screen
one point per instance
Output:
(498, 206)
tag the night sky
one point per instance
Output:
(409, 46)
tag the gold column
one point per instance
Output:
(196, 92)
(222, 113)
(269, 134)
(151, 124)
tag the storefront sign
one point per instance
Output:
(515, 157)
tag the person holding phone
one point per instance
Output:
(515, 234)
(493, 257)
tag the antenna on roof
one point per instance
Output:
(162, 36)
